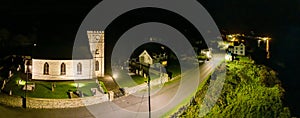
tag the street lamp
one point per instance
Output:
(149, 101)
(27, 72)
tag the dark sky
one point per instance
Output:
(261, 16)
(232, 15)
(56, 20)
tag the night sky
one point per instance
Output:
(56, 22)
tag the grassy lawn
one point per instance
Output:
(43, 89)
(175, 69)
(243, 58)
(134, 81)
(137, 80)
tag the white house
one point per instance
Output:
(153, 59)
(145, 58)
(239, 49)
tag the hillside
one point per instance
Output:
(250, 90)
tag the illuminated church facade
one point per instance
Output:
(72, 69)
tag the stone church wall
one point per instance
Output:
(55, 69)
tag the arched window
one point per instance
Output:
(63, 69)
(46, 69)
(79, 68)
(97, 51)
(97, 65)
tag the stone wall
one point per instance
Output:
(65, 103)
(154, 82)
(14, 101)
(55, 69)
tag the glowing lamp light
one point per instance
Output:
(21, 82)
(78, 84)
(115, 75)
(228, 57)
(164, 63)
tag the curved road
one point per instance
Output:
(130, 106)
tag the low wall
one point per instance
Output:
(131, 90)
(13, 101)
(65, 103)
(16, 101)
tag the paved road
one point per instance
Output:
(163, 99)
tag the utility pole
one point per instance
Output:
(24, 100)
(149, 101)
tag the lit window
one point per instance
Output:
(46, 69)
(63, 69)
(97, 66)
(97, 51)
(79, 68)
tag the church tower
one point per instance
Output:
(96, 41)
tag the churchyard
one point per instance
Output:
(15, 85)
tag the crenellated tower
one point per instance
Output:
(96, 41)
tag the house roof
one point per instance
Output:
(145, 53)
(151, 49)
(238, 43)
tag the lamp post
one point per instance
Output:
(267, 48)
(149, 101)
(160, 74)
(27, 71)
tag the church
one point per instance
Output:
(71, 69)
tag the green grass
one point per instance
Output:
(249, 91)
(134, 80)
(175, 69)
(43, 89)
(103, 86)
(243, 58)
(130, 82)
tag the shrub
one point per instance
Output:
(249, 91)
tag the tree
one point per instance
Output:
(4, 37)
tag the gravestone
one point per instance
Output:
(10, 74)
(94, 91)
(3, 85)
(97, 81)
